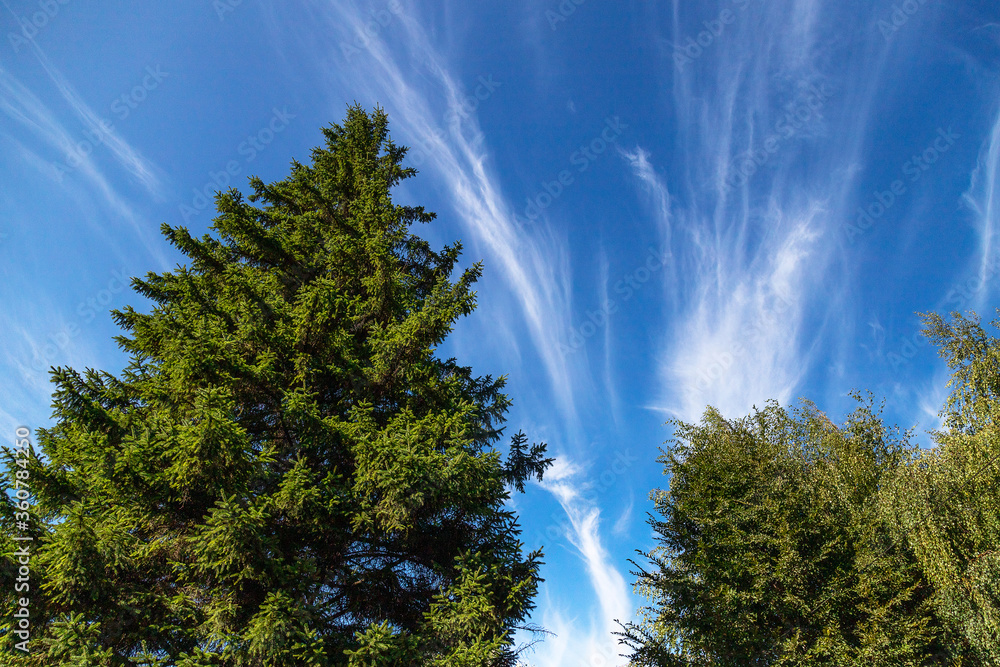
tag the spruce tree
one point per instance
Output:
(286, 472)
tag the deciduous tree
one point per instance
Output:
(771, 548)
(946, 505)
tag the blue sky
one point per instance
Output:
(677, 203)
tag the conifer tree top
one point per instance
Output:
(286, 473)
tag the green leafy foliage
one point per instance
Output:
(286, 473)
(770, 551)
(784, 539)
(947, 504)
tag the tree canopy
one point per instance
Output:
(784, 539)
(286, 473)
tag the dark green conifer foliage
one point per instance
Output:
(285, 473)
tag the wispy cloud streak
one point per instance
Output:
(588, 640)
(53, 138)
(140, 168)
(752, 230)
(983, 197)
(534, 263)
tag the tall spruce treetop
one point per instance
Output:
(286, 473)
